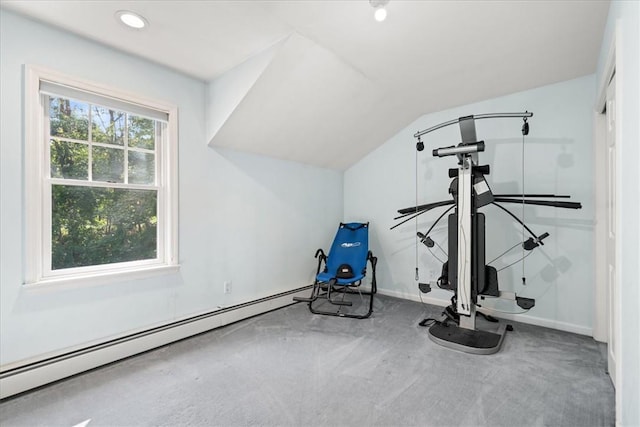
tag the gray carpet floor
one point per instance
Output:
(292, 368)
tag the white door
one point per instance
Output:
(610, 174)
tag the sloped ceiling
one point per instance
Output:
(321, 82)
(307, 105)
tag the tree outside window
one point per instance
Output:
(94, 225)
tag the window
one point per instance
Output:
(100, 180)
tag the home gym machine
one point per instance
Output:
(466, 272)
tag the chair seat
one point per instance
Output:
(325, 277)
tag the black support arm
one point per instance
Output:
(427, 206)
(565, 205)
(421, 211)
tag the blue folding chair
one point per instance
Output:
(344, 270)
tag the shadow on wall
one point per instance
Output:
(556, 267)
(543, 156)
(563, 160)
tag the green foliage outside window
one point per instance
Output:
(100, 225)
(94, 226)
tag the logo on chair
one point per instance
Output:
(350, 244)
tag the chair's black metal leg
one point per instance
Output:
(314, 294)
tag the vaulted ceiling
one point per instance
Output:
(323, 83)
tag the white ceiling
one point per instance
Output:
(340, 84)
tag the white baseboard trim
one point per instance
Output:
(415, 297)
(523, 318)
(546, 323)
(17, 379)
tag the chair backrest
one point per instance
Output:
(350, 246)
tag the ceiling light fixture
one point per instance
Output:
(132, 19)
(381, 12)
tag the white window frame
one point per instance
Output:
(37, 196)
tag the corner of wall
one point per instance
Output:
(226, 92)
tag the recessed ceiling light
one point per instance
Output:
(132, 19)
(379, 5)
(380, 14)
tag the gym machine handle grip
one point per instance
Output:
(426, 240)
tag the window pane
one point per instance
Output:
(107, 125)
(108, 164)
(95, 226)
(69, 119)
(142, 132)
(141, 168)
(69, 159)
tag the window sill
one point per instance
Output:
(101, 278)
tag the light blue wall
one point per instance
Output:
(245, 218)
(559, 159)
(626, 16)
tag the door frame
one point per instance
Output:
(601, 293)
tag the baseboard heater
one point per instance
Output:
(18, 379)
